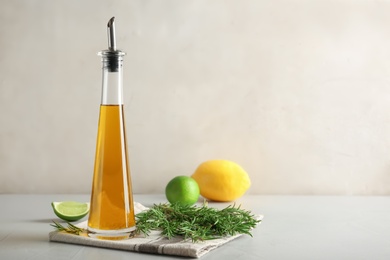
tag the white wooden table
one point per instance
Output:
(294, 227)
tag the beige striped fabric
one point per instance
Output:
(153, 244)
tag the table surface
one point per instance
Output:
(294, 227)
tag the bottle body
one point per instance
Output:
(112, 211)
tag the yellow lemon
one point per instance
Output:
(221, 180)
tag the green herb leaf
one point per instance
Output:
(195, 223)
(72, 229)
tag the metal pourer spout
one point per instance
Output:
(111, 34)
(112, 57)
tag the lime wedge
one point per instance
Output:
(70, 210)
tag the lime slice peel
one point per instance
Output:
(70, 210)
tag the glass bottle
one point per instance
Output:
(112, 212)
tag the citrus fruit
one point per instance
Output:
(70, 210)
(183, 190)
(221, 180)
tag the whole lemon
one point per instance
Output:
(183, 190)
(221, 180)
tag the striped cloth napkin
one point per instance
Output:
(153, 244)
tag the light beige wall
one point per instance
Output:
(297, 92)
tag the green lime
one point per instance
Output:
(183, 190)
(70, 210)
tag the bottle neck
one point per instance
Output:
(112, 81)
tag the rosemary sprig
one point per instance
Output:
(196, 223)
(72, 229)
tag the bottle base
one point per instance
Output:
(119, 234)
